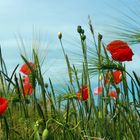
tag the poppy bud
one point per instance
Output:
(79, 29)
(45, 134)
(100, 114)
(36, 136)
(100, 78)
(83, 37)
(82, 31)
(59, 35)
(46, 85)
(100, 36)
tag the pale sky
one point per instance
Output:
(48, 17)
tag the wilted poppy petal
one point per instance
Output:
(98, 90)
(3, 105)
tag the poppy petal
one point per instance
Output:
(3, 105)
(28, 89)
(25, 69)
(82, 94)
(98, 90)
(120, 51)
(113, 94)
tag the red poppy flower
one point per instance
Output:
(82, 94)
(116, 77)
(120, 51)
(3, 105)
(98, 90)
(28, 89)
(25, 69)
(113, 94)
(26, 80)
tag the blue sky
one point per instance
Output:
(47, 17)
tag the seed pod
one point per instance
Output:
(100, 78)
(83, 37)
(46, 85)
(82, 31)
(45, 134)
(36, 136)
(99, 114)
(59, 35)
(79, 29)
(100, 36)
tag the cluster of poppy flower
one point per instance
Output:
(27, 86)
(120, 51)
(83, 93)
(111, 93)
